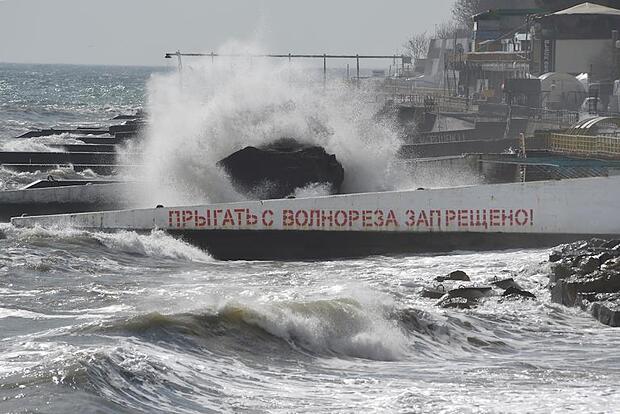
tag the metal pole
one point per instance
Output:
(324, 69)
(614, 40)
(212, 57)
(357, 59)
(180, 64)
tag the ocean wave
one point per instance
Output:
(157, 243)
(337, 327)
(11, 179)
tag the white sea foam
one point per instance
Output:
(156, 243)
(11, 180)
(210, 110)
(38, 144)
(341, 326)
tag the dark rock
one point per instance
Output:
(611, 244)
(470, 292)
(603, 257)
(506, 283)
(607, 313)
(588, 264)
(277, 169)
(611, 264)
(587, 274)
(457, 303)
(433, 292)
(464, 297)
(555, 257)
(565, 291)
(513, 291)
(560, 270)
(456, 275)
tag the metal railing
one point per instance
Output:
(559, 117)
(586, 145)
(433, 102)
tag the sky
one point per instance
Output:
(139, 32)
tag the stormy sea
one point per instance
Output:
(96, 322)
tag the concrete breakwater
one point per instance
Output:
(587, 274)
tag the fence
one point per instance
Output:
(560, 117)
(441, 103)
(587, 145)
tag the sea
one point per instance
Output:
(97, 322)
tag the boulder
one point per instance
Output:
(506, 284)
(513, 291)
(561, 270)
(471, 292)
(433, 292)
(457, 303)
(588, 264)
(587, 274)
(456, 275)
(607, 312)
(278, 169)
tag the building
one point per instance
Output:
(576, 40)
(492, 26)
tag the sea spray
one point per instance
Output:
(211, 109)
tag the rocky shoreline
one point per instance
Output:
(584, 274)
(587, 274)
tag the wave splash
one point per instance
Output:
(212, 109)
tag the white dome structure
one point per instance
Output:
(561, 91)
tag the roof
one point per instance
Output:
(499, 13)
(589, 8)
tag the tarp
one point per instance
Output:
(589, 8)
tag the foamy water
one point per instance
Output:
(96, 322)
(146, 323)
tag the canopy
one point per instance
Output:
(589, 8)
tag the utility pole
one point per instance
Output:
(615, 44)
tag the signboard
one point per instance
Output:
(548, 55)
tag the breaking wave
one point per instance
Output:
(13, 180)
(329, 327)
(154, 244)
(209, 110)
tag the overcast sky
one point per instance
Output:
(138, 32)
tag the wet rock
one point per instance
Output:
(456, 275)
(587, 274)
(433, 292)
(464, 297)
(588, 264)
(555, 257)
(470, 292)
(506, 283)
(611, 264)
(561, 271)
(457, 303)
(513, 291)
(612, 244)
(278, 169)
(607, 312)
